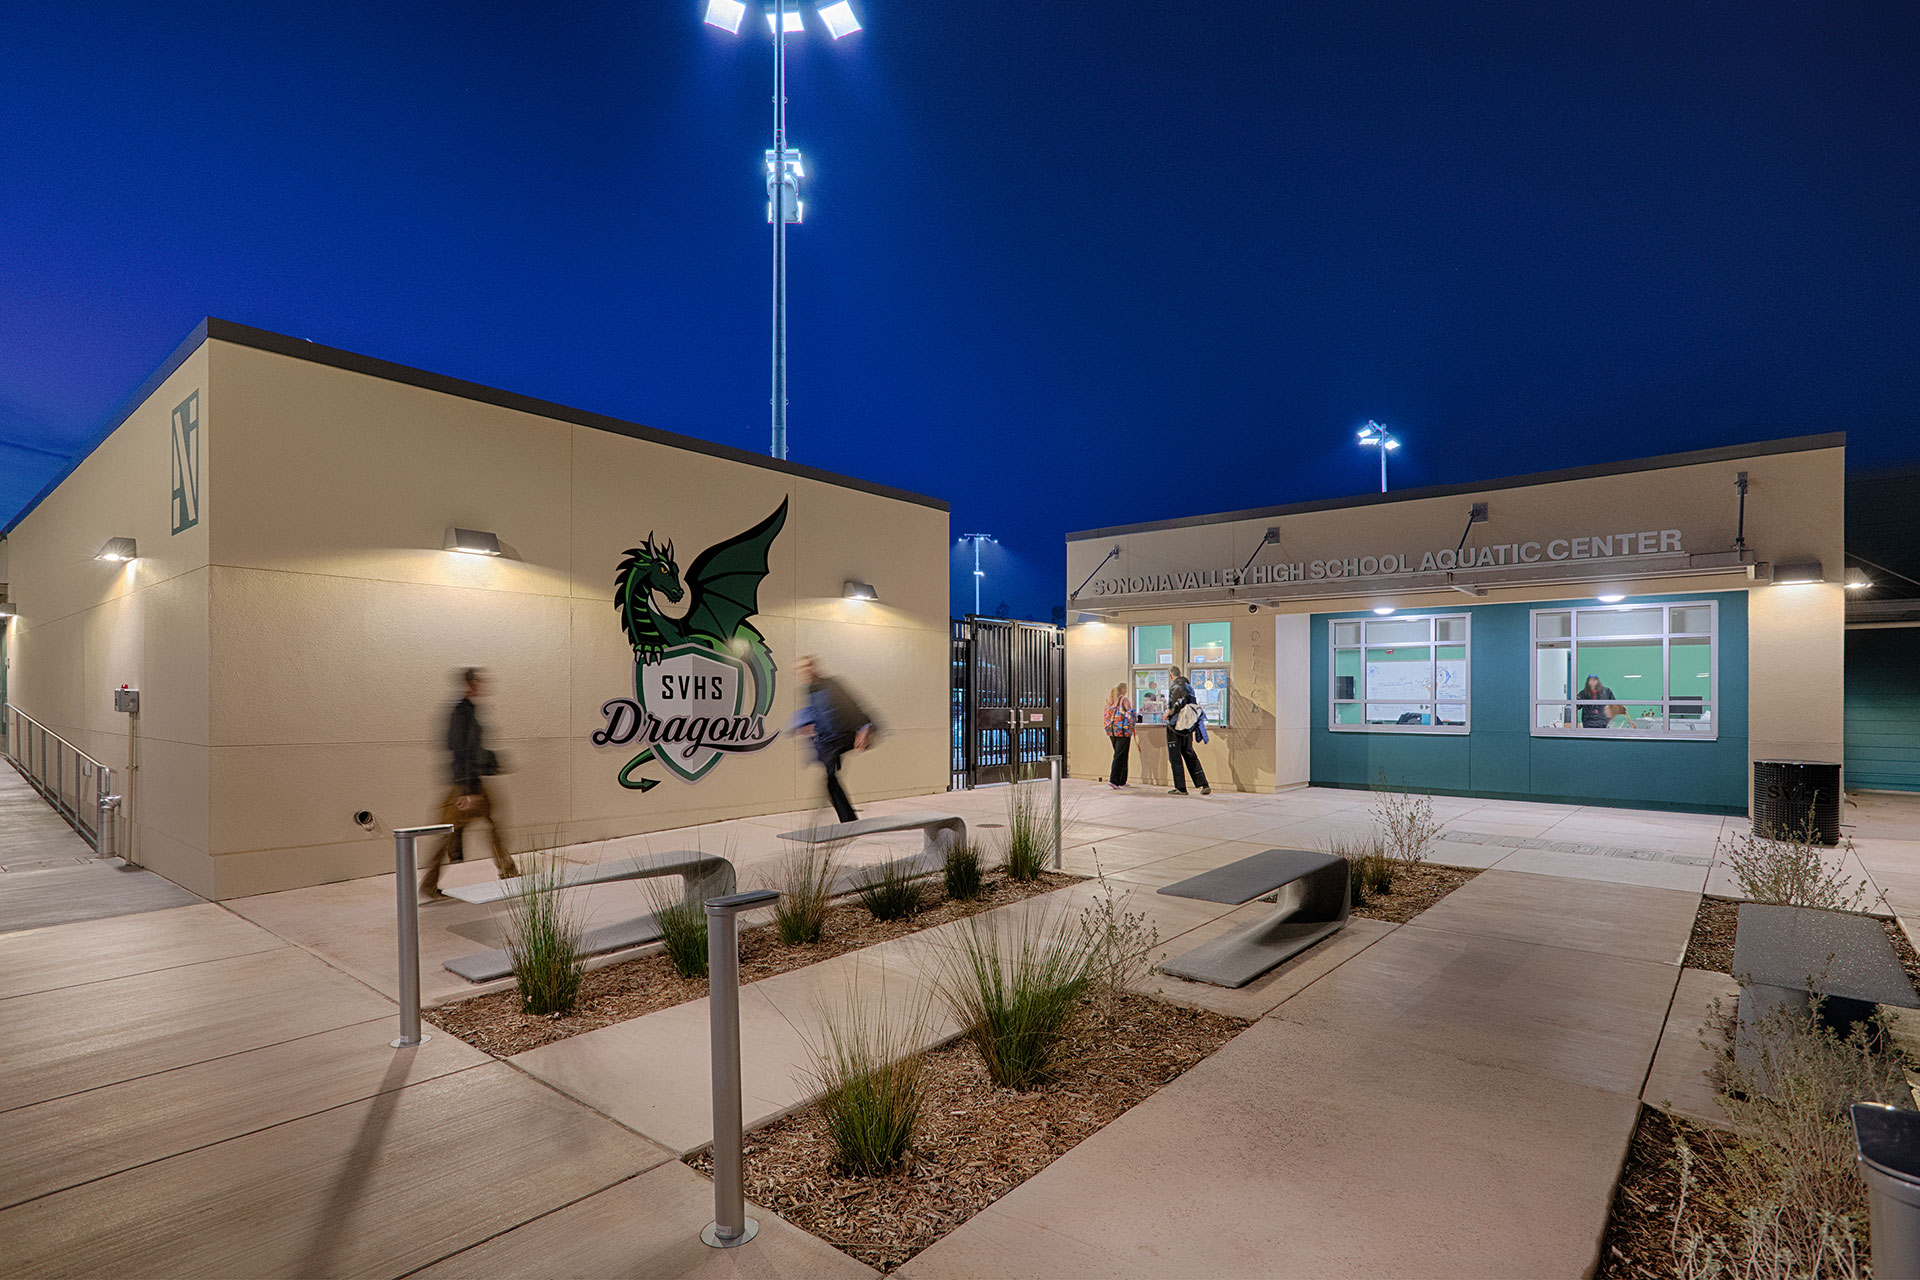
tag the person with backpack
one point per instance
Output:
(1119, 722)
(1183, 716)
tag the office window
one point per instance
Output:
(1209, 648)
(1209, 643)
(1400, 675)
(1152, 664)
(1626, 671)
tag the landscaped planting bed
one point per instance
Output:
(648, 983)
(1416, 886)
(1711, 944)
(976, 1141)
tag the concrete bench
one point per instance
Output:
(705, 875)
(1782, 956)
(1313, 902)
(941, 831)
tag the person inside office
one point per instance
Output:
(1593, 704)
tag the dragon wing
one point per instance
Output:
(723, 582)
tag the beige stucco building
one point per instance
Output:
(293, 617)
(1442, 637)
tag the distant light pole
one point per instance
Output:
(785, 168)
(976, 539)
(1375, 436)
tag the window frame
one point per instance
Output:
(1706, 730)
(1335, 648)
(1182, 640)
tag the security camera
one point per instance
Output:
(1253, 608)
(363, 818)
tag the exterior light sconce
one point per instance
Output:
(473, 542)
(1612, 597)
(1799, 573)
(9, 611)
(119, 550)
(1856, 579)
(860, 591)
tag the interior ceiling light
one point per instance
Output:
(119, 549)
(473, 542)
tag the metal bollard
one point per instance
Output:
(1058, 763)
(731, 1226)
(406, 893)
(1887, 1144)
(106, 835)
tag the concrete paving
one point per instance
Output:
(208, 1090)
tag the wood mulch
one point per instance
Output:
(648, 983)
(1711, 944)
(1639, 1244)
(1416, 886)
(976, 1141)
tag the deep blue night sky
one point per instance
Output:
(1066, 264)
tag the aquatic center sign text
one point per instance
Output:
(1604, 546)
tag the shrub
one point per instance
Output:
(806, 889)
(1788, 1181)
(873, 1081)
(1029, 831)
(889, 891)
(1785, 866)
(963, 872)
(1370, 871)
(683, 929)
(1122, 942)
(1016, 1000)
(1403, 822)
(543, 941)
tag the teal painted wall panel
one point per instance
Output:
(1500, 756)
(1883, 709)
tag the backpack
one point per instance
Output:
(1119, 722)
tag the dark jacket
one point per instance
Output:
(838, 718)
(471, 759)
(1595, 717)
(1179, 695)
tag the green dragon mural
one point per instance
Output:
(722, 588)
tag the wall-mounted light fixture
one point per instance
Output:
(1611, 598)
(9, 610)
(118, 550)
(1857, 578)
(1798, 573)
(860, 591)
(473, 542)
(1383, 609)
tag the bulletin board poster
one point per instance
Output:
(1210, 690)
(1150, 696)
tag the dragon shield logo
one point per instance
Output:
(703, 681)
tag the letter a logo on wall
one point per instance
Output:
(702, 682)
(186, 463)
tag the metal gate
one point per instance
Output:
(1009, 699)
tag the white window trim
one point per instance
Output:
(1663, 734)
(1333, 650)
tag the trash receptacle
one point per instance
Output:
(1888, 1144)
(1795, 797)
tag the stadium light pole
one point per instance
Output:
(1375, 436)
(785, 167)
(976, 539)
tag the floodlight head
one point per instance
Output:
(118, 550)
(726, 15)
(860, 591)
(1389, 443)
(473, 542)
(792, 24)
(839, 17)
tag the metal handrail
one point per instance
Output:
(59, 771)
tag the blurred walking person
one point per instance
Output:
(837, 723)
(468, 801)
(1119, 722)
(1183, 716)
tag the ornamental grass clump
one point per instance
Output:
(683, 929)
(1016, 997)
(1785, 866)
(806, 890)
(889, 891)
(873, 1082)
(543, 940)
(965, 878)
(1370, 871)
(1029, 832)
